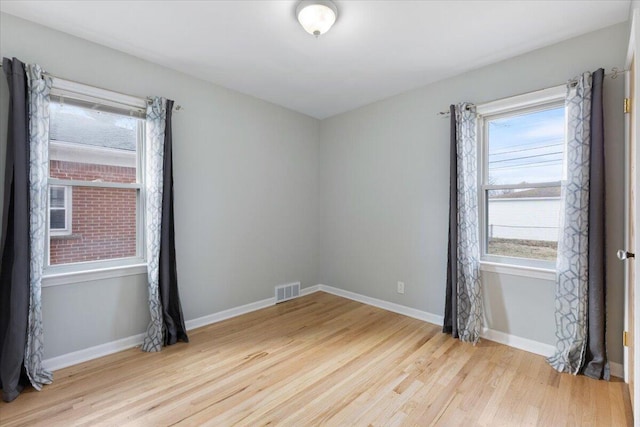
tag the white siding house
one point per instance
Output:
(529, 218)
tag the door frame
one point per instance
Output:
(634, 42)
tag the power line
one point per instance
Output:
(528, 144)
(527, 157)
(525, 149)
(533, 164)
(523, 226)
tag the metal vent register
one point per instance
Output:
(287, 292)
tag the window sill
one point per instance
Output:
(66, 278)
(518, 270)
(69, 236)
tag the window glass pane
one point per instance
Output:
(104, 226)
(92, 145)
(523, 223)
(526, 148)
(57, 197)
(57, 218)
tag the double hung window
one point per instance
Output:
(521, 168)
(96, 146)
(60, 210)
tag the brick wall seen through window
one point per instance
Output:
(97, 233)
(94, 154)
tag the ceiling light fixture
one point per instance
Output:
(316, 16)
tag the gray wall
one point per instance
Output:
(359, 201)
(384, 189)
(246, 192)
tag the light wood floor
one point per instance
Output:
(321, 360)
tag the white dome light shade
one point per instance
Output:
(316, 17)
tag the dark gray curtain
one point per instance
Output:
(596, 364)
(14, 270)
(168, 276)
(450, 325)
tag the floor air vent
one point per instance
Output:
(287, 292)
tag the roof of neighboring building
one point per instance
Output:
(84, 126)
(530, 193)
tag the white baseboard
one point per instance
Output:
(228, 314)
(309, 290)
(386, 305)
(238, 311)
(616, 369)
(75, 357)
(520, 343)
(546, 350)
(94, 352)
(489, 334)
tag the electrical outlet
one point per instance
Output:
(401, 287)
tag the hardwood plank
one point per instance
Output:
(321, 360)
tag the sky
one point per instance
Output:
(118, 120)
(527, 148)
(71, 123)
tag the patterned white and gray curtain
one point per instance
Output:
(155, 128)
(39, 87)
(464, 252)
(580, 271)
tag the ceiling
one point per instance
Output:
(376, 49)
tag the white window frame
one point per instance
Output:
(68, 216)
(527, 103)
(94, 270)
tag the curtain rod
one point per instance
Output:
(614, 74)
(176, 107)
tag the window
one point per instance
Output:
(95, 153)
(522, 152)
(60, 210)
